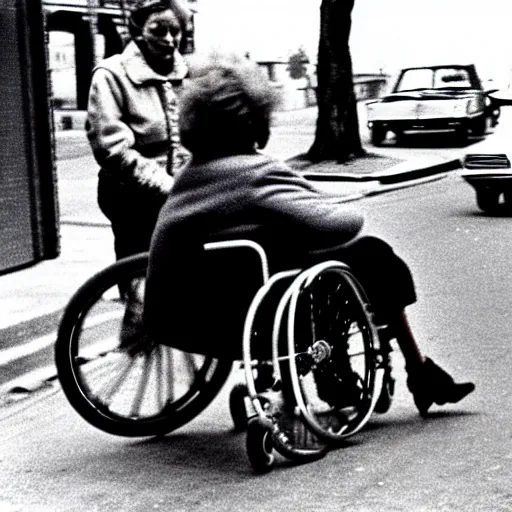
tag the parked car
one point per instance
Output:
(490, 174)
(433, 98)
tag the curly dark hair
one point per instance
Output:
(226, 106)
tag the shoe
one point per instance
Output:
(431, 384)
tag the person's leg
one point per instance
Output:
(132, 212)
(390, 287)
(427, 382)
(406, 341)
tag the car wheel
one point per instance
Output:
(399, 137)
(488, 199)
(495, 117)
(378, 134)
(479, 125)
(461, 135)
(508, 202)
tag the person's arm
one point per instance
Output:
(112, 140)
(287, 199)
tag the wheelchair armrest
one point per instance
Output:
(244, 231)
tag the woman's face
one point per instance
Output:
(162, 34)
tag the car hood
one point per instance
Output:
(430, 94)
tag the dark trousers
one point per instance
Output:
(385, 277)
(132, 211)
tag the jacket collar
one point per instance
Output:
(138, 70)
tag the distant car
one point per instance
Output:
(490, 174)
(433, 98)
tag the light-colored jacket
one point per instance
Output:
(132, 121)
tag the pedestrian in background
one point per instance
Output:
(132, 126)
(132, 122)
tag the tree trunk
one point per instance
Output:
(337, 127)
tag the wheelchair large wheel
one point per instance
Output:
(134, 388)
(332, 351)
(288, 436)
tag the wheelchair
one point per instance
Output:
(305, 334)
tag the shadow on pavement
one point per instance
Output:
(223, 452)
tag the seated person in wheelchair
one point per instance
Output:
(225, 121)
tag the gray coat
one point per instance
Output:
(186, 303)
(255, 190)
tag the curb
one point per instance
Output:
(70, 221)
(395, 174)
(398, 185)
(389, 176)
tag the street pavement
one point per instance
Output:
(86, 240)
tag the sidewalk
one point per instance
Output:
(381, 166)
(86, 239)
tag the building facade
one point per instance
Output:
(82, 32)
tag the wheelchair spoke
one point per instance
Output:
(191, 364)
(106, 392)
(165, 386)
(143, 385)
(168, 367)
(160, 384)
(196, 376)
(329, 306)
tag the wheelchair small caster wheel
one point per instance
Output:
(237, 407)
(260, 444)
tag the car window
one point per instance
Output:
(412, 79)
(440, 78)
(449, 77)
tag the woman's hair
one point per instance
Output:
(226, 106)
(142, 9)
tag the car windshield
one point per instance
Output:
(437, 78)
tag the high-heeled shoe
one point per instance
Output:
(430, 384)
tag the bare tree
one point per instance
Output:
(337, 129)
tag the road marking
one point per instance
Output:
(34, 379)
(11, 354)
(15, 318)
(30, 381)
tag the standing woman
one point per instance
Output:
(132, 122)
